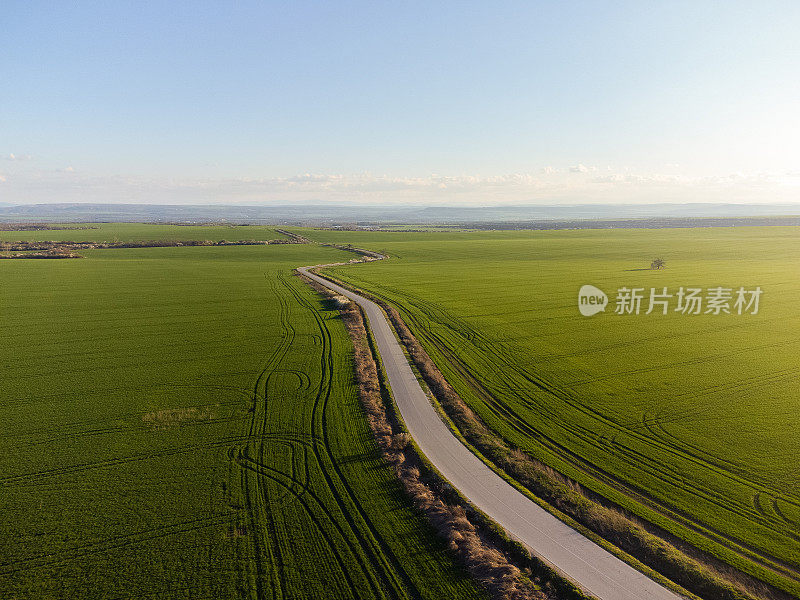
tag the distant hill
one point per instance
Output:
(531, 216)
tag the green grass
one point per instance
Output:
(183, 423)
(688, 421)
(138, 232)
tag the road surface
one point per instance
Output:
(594, 569)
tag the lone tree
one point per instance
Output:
(657, 263)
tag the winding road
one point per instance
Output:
(594, 569)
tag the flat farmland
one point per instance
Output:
(690, 421)
(137, 232)
(183, 423)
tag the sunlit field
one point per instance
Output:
(689, 420)
(183, 423)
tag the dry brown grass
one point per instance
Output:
(236, 532)
(341, 301)
(175, 417)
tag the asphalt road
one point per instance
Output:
(594, 569)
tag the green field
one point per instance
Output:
(690, 421)
(136, 232)
(183, 423)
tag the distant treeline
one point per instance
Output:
(50, 245)
(47, 254)
(65, 249)
(40, 227)
(645, 223)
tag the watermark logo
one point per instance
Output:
(685, 300)
(591, 300)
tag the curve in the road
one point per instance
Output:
(593, 568)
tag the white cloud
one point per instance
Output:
(3, 179)
(17, 157)
(547, 186)
(613, 178)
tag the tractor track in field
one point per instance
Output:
(670, 444)
(111, 543)
(762, 499)
(793, 524)
(634, 458)
(638, 460)
(349, 535)
(254, 507)
(291, 486)
(382, 557)
(35, 478)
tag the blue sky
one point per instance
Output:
(530, 102)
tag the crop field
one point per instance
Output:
(183, 423)
(136, 232)
(690, 421)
